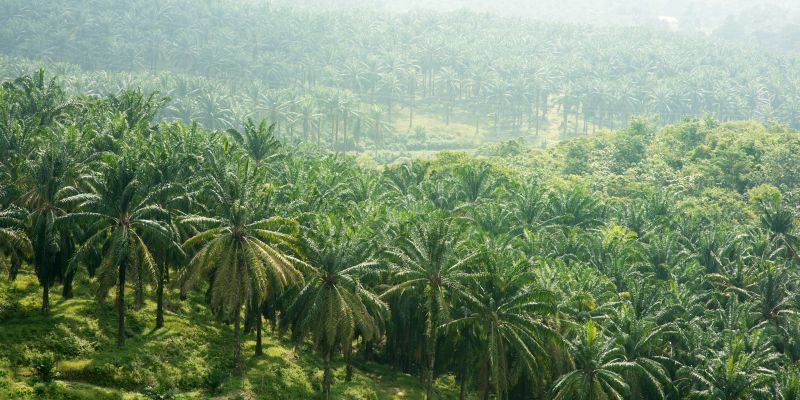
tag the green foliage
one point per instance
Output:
(44, 365)
(643, 263)
(214, 379)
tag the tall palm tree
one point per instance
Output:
(426, 262)
(246, 258)
(48, 199)
(334, 306)
(508, 310)
(122, 223)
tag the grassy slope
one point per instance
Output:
(180, 356)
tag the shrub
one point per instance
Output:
(214, 379)
(67, 343)
(44, 366)
(159, 393)
(8, 305)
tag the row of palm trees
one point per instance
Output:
(457, 266)
(507, 73)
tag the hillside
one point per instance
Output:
(186, 360)
(143, 257)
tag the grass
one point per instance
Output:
(176, 361)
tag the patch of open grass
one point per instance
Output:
(176, 359)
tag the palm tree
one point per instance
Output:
(643, 344)
(47, 198)
(246, 258)
(736, 373)
(508, 310)
(170, 170)
(427, 262)
(40, 101)
(258, 142)
(476, 181)
(122, 221)
(778, 220)
(334, 306)
(598, 368)
(13, 238)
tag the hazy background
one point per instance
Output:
(772, 24)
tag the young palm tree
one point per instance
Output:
(778, 220)
(258, 141)
(741, 371)
(120, 217)
(246, 258)
(334, 306)
(427, 262)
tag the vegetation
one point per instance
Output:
(365, 80)
(642, 263)
(291, 204)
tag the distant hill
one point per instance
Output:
(770, 23)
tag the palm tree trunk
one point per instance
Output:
(326, 378)
(46, 298)
(16, 263)
(259, 326)
(237, 345)
(121, 305)
(348, 353)
(66, 289)
(431, 349)
(344, 133)
(139, 299)
(160, 297)
(368, 351)
(463, 392)
(389, 107)
(483, 380)
(411, 112)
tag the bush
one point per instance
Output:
(214, 379)
(8, 305)
(44, 366)
(17, 356)
(67, 343)
(58, 391)
(159, 393)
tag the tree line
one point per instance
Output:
(508, 76)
